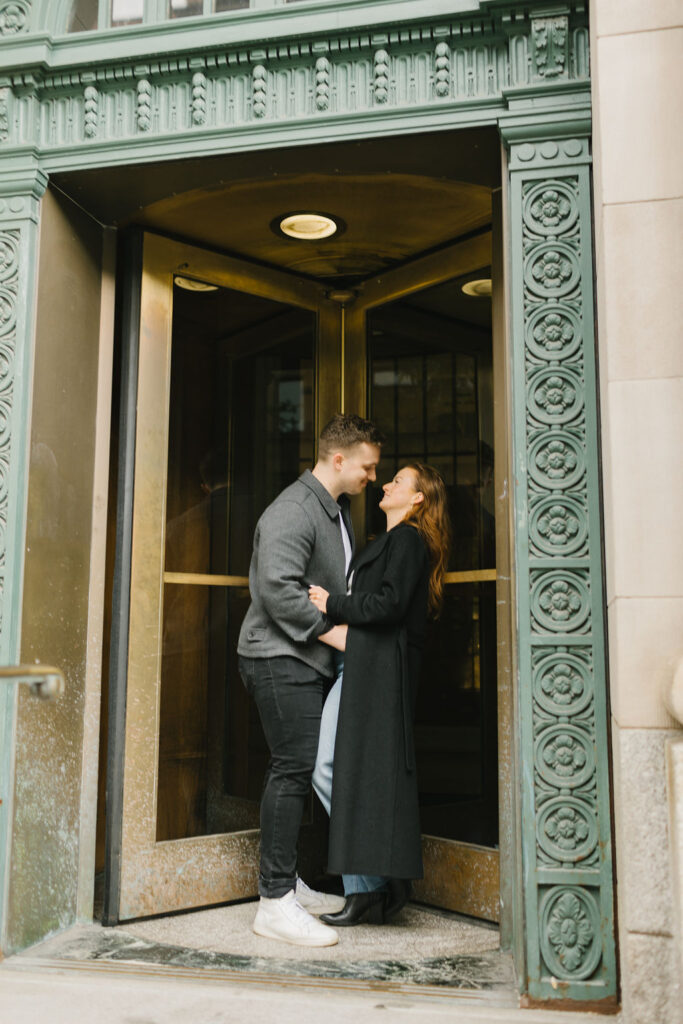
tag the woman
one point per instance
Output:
(366, 734)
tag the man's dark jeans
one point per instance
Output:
(289, 697)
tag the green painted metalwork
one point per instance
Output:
(19, 213)
(305, 73)
(561, 656)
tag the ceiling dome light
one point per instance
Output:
(308, 226)
(191, 285)
(480, 289)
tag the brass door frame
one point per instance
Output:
(158, 877)
(459, 876)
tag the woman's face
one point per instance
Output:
(401, 493)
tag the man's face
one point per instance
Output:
(357, 467)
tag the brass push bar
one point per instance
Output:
(215, 580)
(44, 681)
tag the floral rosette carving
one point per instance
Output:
(259, 80)
(570, 930)
(144, 112)
(551, 208)
(6, 366)
(552, 269)
(5, 419)
(560, 600)
(199, 98)
(556, 460)
(564, 756)
(4, 474)
(9, 247)
(442, 73)
(563, 684)
(14, 17)
(567, 829)
(555, 396)
(322, 83)
(8, 312)
(381, 76)
(553, 332)
(559, 525)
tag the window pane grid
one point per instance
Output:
(89, 15)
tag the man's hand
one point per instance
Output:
(319, 598)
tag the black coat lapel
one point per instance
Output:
(373, 550)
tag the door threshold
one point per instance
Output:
(477, 978)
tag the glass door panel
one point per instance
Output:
(240, 428)
(227, 415)
(429, 381)
(428, 367)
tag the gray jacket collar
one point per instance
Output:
(321, 493)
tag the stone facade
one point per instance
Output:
(637, 89)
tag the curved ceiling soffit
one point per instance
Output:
(388, 218)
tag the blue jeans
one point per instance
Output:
(323, 772)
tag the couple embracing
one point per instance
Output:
(318, 614)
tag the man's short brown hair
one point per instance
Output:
(346, 430)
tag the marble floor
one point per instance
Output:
(421, 949)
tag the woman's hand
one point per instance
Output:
(319, 597)
(336, 637)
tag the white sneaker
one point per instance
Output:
(317, 902)
(286, 919)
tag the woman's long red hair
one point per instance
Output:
(432, 521)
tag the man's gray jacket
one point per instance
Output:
(297, 542)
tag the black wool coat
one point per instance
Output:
(375, 820)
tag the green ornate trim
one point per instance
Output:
(69, 103)
(15, 17)
(561, 656)
(18, 247)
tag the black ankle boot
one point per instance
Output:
(359, 907)
(397, 897)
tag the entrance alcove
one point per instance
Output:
(233, 382)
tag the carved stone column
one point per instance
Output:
(19, 207)
(567, 859)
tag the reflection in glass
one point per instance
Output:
(430, 389)
(230, 5)
(83, 17)
(240, 429)
(126, 12)
(185, 8)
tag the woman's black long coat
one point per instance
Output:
(375, 821)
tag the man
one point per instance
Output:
(305, 536)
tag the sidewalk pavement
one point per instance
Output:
(31, 993)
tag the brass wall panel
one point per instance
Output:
(62, 468)
(460, 877)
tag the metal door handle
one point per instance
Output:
(44, 681)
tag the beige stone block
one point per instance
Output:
(616, 17)
(641, 299)
(650, 982)
(642, 830)
(639, 79)
(644, 463)
(674, 755)
(645, 643)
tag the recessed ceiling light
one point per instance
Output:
(191, 285)
(480, 289)
(307, 225)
